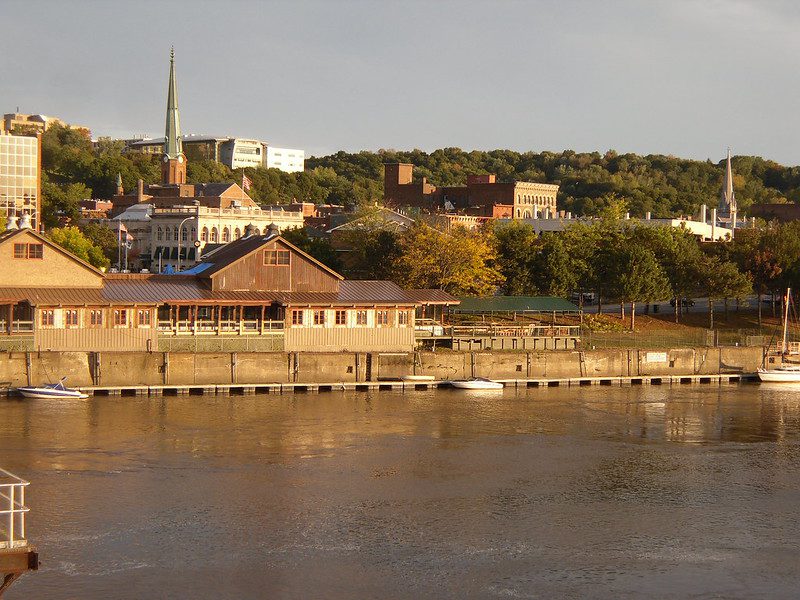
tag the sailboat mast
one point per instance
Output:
(784, 348)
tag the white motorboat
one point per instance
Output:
(782, 374)
(476, 383)
(51, 390)
(417, 378)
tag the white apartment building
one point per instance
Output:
(285, 159)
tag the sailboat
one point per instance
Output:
(788, 373)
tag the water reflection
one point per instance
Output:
(611, 492)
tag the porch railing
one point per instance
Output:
(213, 327)
(16, 326)
(12, 510)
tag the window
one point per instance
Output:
(341, 317)
(297, 317)
(120, 318)
(71, 318)
(204, 234)
(144, 318)
(159, 234)
(402, 317)
(214, 235)
(276, 257)
(226, 235)
(319, 317)
(361, 317)
(184, 234)
(237, 233)
(47, 319)
(96, 318)
(28, 250)
(381, 317)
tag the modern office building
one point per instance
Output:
(235, 153)
(33, 123)
(20, 181)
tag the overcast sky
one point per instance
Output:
(673, 77)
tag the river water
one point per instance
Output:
(592, 492)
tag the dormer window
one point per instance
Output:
(276, 257)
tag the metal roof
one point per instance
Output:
(515, 304)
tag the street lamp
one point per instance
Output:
(180, 236)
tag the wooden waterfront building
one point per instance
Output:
(258, 293)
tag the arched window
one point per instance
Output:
(237, 233)
(194, 233)
(204, 234)
(226, 235)
(256, 231)
(184, 234)
(519, 212)
(214, 235)
(159, 234)
(527, 214)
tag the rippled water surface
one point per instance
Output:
(644, 492)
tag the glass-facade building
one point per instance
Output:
(20, 161)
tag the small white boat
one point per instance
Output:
(783, 374)
(476, 383)
(417, 378)
(51, 390)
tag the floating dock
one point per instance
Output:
(243, 389)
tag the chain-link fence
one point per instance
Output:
(675, 339)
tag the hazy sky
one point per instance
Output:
(673, 77)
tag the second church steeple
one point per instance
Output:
(173, 166)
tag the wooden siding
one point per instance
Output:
(251, 274)
(384, 339)
(96, 339)
(56, 268)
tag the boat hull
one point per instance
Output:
(775, 376)
(477, 385)
(40, 393)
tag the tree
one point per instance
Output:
(517, 246)
(318, 247)
(104, 238)
(72, 240)
(639, 278)
(722, 279)
(459, 262)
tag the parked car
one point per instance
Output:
(684, 302)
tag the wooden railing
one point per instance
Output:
(209, 327)
(16, 326)
(432, 329)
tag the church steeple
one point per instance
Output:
(173, 169)
(727, 199)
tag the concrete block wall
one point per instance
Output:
(107, 369)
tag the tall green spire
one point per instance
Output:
(172, 134)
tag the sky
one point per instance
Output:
(675, 77)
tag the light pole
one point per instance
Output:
(180, 236)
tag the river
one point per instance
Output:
(591, 492)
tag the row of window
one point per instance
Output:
(70, 317)
(169, 234)
(352, 318)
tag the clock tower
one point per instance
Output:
(173, 162)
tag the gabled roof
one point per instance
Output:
(234, 251)
(12, 233)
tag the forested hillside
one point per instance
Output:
(663, 185)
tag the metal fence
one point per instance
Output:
(12, 510)
(675, 339)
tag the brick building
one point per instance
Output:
(483, 195)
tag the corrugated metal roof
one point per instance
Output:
(429, 296)
(515, 304)
(55, 296)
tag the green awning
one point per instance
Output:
(514, 304)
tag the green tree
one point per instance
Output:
(318, 247)
(639, 278)
(722, 279)
(73, 240)
(516, 248)
(103, 237)
(459, 262)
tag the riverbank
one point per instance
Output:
(171, 370)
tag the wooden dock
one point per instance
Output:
(244, 389)
(17, 556)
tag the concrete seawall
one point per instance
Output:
(107, 369)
